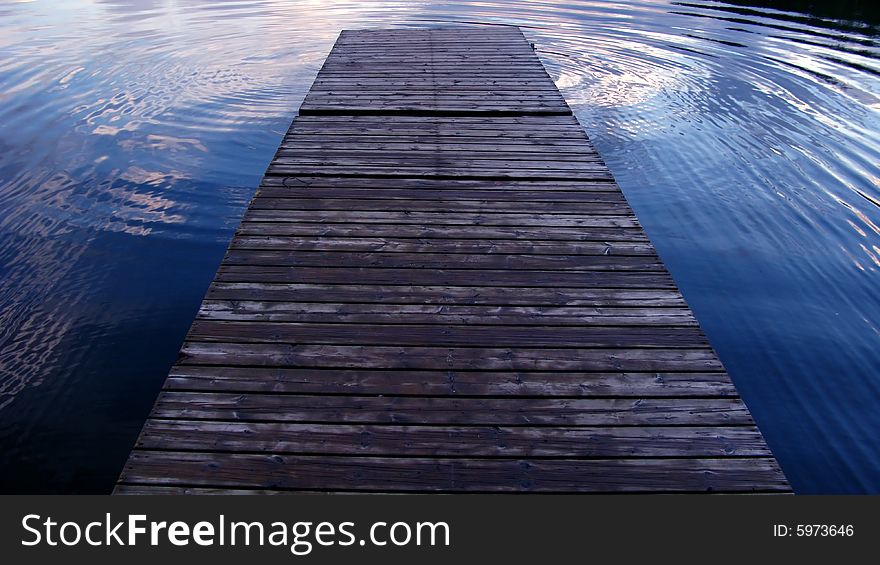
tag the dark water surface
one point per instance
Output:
(133, 133)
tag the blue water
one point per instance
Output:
(133, 133)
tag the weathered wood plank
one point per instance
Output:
(445, 277)
(450, 95)
(423, 205)
(322, 312)
(345, 154)
(444, 246)
(446, 334)
(461, 160)
(290, 380)
(452, 410)
(505, 198)
(473, 89)
(354, 109)
(494, 147)
(600, 262)
(452, 441)
(441, 475)
(437, 233)
(417, 185)
(390, 170)
(449, 358)
(482, 148)
(438, 218)
(448, 295)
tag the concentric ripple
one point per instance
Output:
(133, 132)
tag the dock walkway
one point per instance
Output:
(439, 287)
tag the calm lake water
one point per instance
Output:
(133, 133)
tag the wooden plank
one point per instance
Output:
(378, 134)
(438, 218)
(462, 100)
(486, 197)
(445, 277)
(442, 475)
(439, 288)
(533, 336)
(486, 142)
(443, 246)
(448, 74)
(345, 153)
(452, 441)
(418, 185)
(361, 381)
(390, 170)
(450, 358)
(549, 126)
(419, 411)
(472, 89)
(440, 168)
(448, 295)
(540, 158)
(323, 312)
(391, 109)
(509, 147)
(518, 262)
(424, 205)
(445, 61)
(367, 57)
(493, 122)
(535, 234)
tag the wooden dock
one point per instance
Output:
(439, 287)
